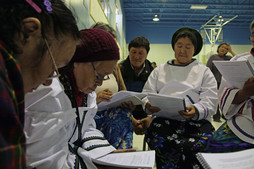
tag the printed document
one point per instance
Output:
(170, 106)
(236, 73)
(139, 159)
(120, 97)
(235, 160)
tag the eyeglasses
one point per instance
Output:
(54, 62)
(99, 79)
(251, 38)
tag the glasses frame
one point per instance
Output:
(54, 62)
(98, 79)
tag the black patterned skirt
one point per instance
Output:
(176, 143)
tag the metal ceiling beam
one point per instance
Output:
(175, 23)
(187, 4)
(178, 12)
(187, 9)
(164, 14)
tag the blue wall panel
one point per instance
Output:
(162, 35)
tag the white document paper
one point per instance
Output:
(236, 73)
(170, 106)
(139, 159)
(120, 97)
(235, 160)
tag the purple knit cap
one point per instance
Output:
(97, 45)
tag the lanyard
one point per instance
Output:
(78, 143)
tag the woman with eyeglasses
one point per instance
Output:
(60, 117)
(116, 122)
(237, 105)
(33, 36)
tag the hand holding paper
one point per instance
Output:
(140, 126)
(189, 113)
(104, 96)
(169, 106)
(128, 105)
(248, 87)
(152, 109)
(120, 97)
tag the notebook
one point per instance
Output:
(235, 160)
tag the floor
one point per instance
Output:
(138, 139)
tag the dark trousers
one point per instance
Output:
(217, 116)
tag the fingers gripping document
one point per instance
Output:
(170, 106)
(120, 97)
(139, 159)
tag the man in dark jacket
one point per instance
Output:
(136, 68)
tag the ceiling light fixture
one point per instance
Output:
(198, 7)
(156, 19)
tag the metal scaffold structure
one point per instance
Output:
(213, 28)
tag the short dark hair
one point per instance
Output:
(140, 41)
(105, 27)
(222, 43)
(12, 12)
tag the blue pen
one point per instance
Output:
(184, 105)
(192, 102)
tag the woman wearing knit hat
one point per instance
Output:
(61, 131)
(177, 142)
(116, 122)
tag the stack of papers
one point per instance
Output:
(120, 97)
(236, 73)
(142, 159)
(170, 106)
(235, 160)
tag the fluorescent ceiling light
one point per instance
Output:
(198, 7)
(156, 19)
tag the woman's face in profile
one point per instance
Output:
(37, 71)
(184, 51)
(85, 74)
